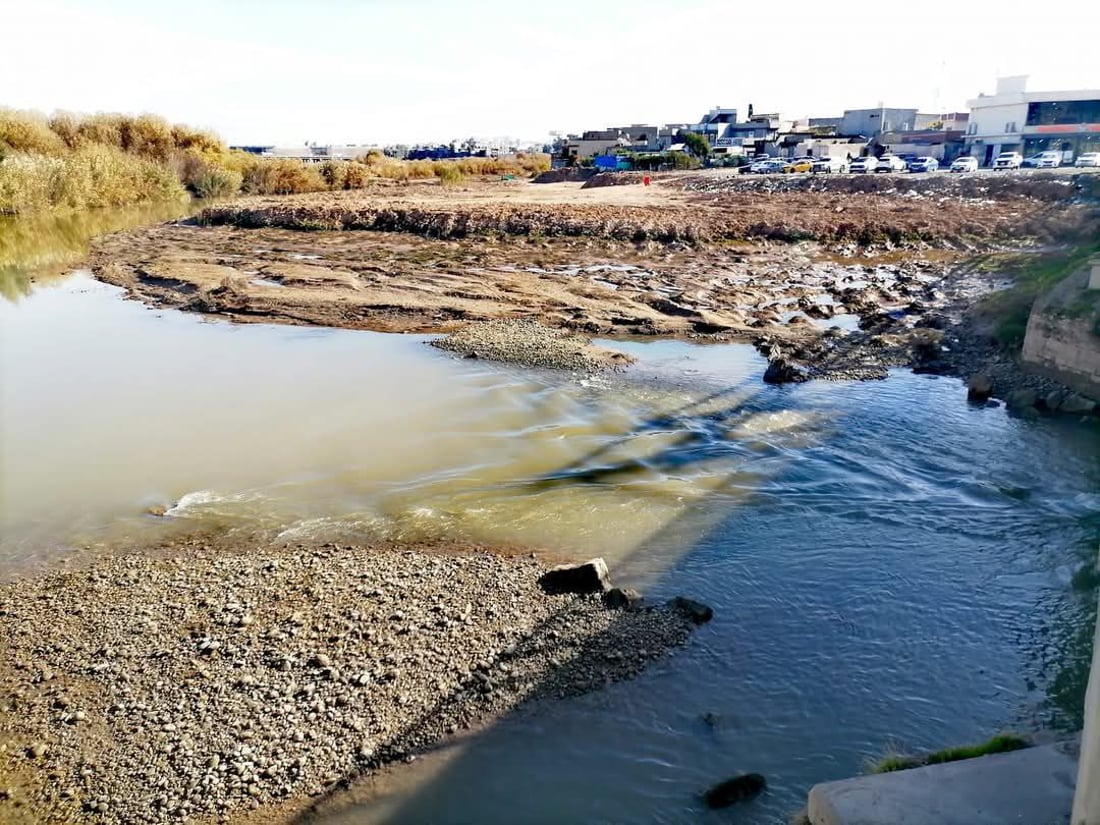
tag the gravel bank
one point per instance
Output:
(531, 345)
(211, 685)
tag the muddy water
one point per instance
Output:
(887, 564)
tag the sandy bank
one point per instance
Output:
(203, 683)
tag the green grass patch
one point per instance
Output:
(1001, 743)
(1032, 274)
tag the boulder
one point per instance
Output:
(782, 371)
(979, 388)
(1075, 404)
(622, 598)
(739, 789)
(698, 612)
(589, 577)
(1021, 399)
(1053, 399)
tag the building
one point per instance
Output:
(714, 125)
(946, 122)
(824, 125)
(310, 153)
(1016, 120)
(872, 122)
(942, 145)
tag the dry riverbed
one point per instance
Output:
(202, 683)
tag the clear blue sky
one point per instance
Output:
(387, 71)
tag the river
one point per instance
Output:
(889, 566)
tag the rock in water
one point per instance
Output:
(1021, 399)
(782, 371)
(979, 388)
(624, 598)
(739, 789)
(590, 577)
(698, 612)
(1077, 404)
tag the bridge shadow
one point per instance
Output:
(702, 430)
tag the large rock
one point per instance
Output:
(979, 388)
(622, 598)
(1075, 404)
(1021, 399)
(739, 789)
(698, 612)
(782, 371)
(590, 577)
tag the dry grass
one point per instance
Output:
(69, 161)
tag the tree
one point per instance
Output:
(696, 144)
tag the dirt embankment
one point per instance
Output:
(620, 260)
(689, 208)
(206, 683)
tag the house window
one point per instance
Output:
(1010, 127)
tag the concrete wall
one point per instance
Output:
(1062, 341)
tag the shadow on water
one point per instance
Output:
(42, 248)
(702, 431)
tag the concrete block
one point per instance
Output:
(1094, 273)
(1028, 787)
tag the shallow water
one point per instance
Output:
(887, 564)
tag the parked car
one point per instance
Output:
(890, 163)
(1044, 160)
(1087, 159)
(867, 164)
(924, 165)
(1008, 160)
(799, 165)
(830, 165)
(965, 165)
(765, 167)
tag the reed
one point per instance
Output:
(72, 161)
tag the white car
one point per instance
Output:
(1087, 159)
(965, 165)
(923, 165)
(1008, 160)
(867, 164)
(830, 165)
(890, 163)
(1044, 160)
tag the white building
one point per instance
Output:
(1016, 120)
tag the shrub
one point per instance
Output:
(333, 174)
(217, 182)
(28, 132)
(281, 176)
(448, 173)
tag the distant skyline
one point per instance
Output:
(380, 71)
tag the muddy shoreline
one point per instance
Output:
(206, 683)
(881, 277)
